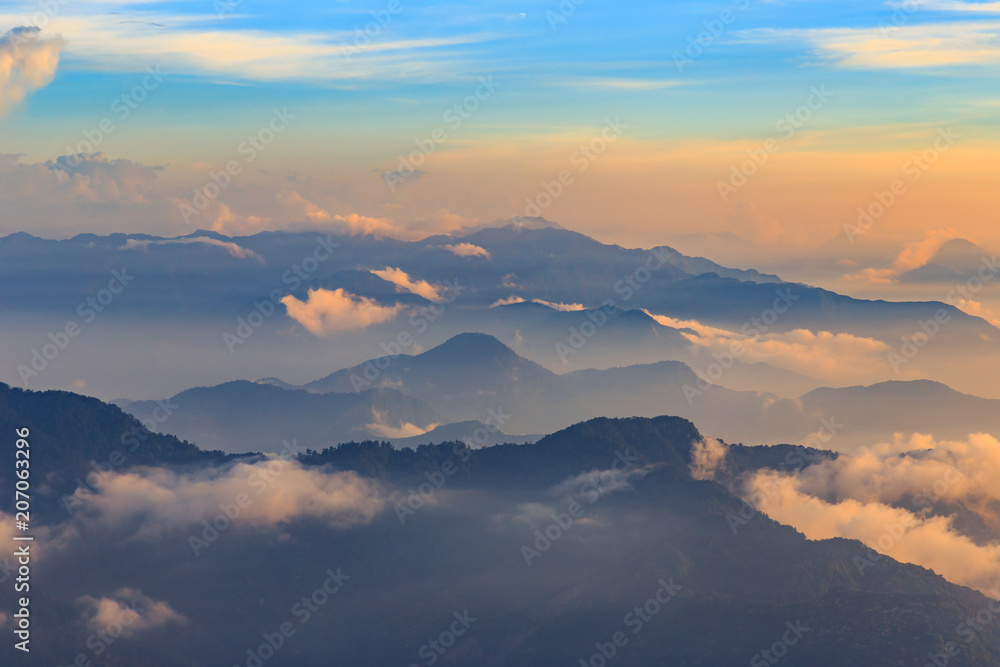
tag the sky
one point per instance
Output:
(633, 122)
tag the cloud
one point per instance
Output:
(896, 47)
(509, 301)
(127, 613)
(467, 250)
(566, 307)
(325, 312)
(233, 249)
(198, 44)
(622, 84)
(153, 501)
(27, 62)
(913, 256)
(835, 357)
(381, 428)
(708, 455)
(751, 223)
(403, 282)
(901, 499)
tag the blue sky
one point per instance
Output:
(561, 71)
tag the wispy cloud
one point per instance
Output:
(621, 84)
(904, 47)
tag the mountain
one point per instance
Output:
(595, 539)
(73, 438)
(955, 261)
(474, 434)
(204, 286)
(475, 378)
(259, 417)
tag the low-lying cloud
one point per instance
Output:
(404, 282)
(325, 312)
(467, 250)
(234, 249)
(902, 500)
(127, 612)
(160, 500)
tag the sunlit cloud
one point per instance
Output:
(28, 62)
(325, 312)
(900, 47)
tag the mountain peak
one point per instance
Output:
(517, 222)
(473, 345)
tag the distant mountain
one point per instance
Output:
(72, 437)
(522, 223)
(473, 376)
(474, 434)
(955, 261)
(259, 417)
(464, 379)
(207, 283)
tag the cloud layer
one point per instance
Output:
(902, 499)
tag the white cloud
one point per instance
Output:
(152, 501)
(233, 249)
(467, 250)
(508, 301)
(884, 495)
(202, 45)
(567, 307)
(127, 613)
(404, 282)
(27, 62)
(381, 428)
(896, 47)
(707, 456)
(834, 357)
(325, 312)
